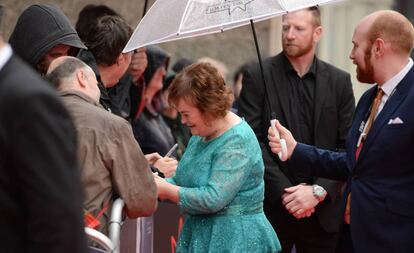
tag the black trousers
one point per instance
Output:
(345, 242)
(306, 234)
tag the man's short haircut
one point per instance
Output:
(67, 68)
(394, 28)
(107, 39)
(316, 14)
(89, 15)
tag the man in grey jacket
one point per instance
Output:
(112, 163)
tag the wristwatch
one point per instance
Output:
(318, 192)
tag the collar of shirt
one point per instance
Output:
(81, 95)
(289, 68)
(5, 54)
(389, 86)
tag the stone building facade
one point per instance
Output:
(233, 47)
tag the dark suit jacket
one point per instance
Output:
(334, 107)
(40, 193)
(382, 180)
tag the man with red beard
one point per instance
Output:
(315, 100)
(378, 163)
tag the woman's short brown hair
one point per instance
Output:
(202, 85)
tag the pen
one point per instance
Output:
(169, 153)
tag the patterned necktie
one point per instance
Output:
(372, 115)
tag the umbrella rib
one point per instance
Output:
(182, 18)
(222, 27)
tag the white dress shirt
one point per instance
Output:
(389, 86)
(5, 54)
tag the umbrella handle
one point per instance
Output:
(283, 155)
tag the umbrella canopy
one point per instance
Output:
(169, 20)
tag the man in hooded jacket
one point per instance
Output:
(42, 34)
(150, 129)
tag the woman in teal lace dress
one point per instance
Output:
(219, 181)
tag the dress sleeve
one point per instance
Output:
(171, 180)
(230, 167)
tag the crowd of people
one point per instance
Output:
(83, 123)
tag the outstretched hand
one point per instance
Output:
(274, 141)
(138, 63)
(153, 157)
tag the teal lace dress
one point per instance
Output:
(221, 195)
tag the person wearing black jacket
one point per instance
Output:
(315, 100)
(43, 33)
(40, 192)
(105, 42)
(150, 129)
(125, 96)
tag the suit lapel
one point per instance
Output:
(280, 87)
(389, 108)
(321, 87)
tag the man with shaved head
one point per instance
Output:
(112, 163)
(378, 164)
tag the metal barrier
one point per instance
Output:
(110, 244)
(115, 223)
(101, 239)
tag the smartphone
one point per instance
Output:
(171, 151)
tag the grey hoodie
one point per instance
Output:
(40, 28)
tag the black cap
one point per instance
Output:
(181, 64)
(168, 80)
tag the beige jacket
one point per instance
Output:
(112, 163)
